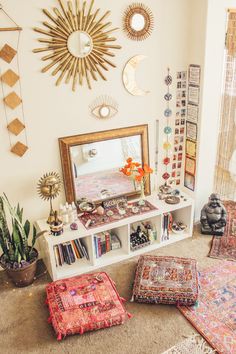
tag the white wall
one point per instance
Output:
(211, 96)
(53, 112)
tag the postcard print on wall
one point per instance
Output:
(193, 94)
(190, 166)
(191, 148)
(191, 131)
(193, 113)
(194, 75)
(189, 181)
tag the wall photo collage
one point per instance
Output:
(192, 126)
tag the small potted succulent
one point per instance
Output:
(19, 259)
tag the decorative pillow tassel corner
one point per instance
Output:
(123, 299)
(46, 302)
(59, 337)
(50, 319)
(130, 315)
(81, 331)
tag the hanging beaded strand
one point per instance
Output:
(167, 130)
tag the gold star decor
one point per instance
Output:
(79, 43)
(10, 78)
(16, 127)
(12, 100)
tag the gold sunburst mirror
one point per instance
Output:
(138, 21)
(79, 43)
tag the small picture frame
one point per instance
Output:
(190, 166)
(193, 113)
(191, 148)
(194, 75)
(191, 131)
(189, 181)
(193, 94)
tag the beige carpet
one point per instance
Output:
(152, 330)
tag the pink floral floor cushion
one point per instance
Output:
(84, 303)
(166, 280)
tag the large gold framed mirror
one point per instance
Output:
(91, 163)
(138, 22)
(79, 43)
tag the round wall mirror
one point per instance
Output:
(80, 44)
(138, 21)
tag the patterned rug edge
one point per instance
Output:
(195, 342)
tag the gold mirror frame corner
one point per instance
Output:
(65, 20)
(65, 143)
(146, 12)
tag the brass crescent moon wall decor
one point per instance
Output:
(129, 77)
(79, 43)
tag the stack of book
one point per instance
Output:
(106, 242)
(69, 252)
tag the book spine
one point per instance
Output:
(60, 249)
(75, 249)
(80, 249)
(96, 246)
(71, 253)
(108, 242)
(66, 254)
(84, 249)
(56, 256)
(103, 243)
(99, 247)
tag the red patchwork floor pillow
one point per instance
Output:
(84, 303)
(166, 280)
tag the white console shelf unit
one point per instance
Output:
(184, 211)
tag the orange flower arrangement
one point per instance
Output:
(138, 173)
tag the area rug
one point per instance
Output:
(225, 247)
(192, 345)
(214, 316)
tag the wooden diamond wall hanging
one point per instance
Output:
(16, 127)
(19, 149)
(7, 53)
(10, 78)
(12, 100)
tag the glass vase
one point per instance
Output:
(142, 194)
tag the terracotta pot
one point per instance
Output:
(23, 276)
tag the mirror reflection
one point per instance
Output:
(96, 167)
(80, 44)
(137, 22)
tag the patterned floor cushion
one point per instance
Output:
(84, 303)
(166, 280)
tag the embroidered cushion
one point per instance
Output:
(166, 280)
(84, 303)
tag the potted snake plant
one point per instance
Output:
(19, 257)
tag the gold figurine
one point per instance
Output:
(49, 187)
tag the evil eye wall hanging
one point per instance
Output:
(167, 130)
(104, 107)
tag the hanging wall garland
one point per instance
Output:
(167, 130)
(12, 98)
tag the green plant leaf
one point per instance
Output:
(27, 228)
